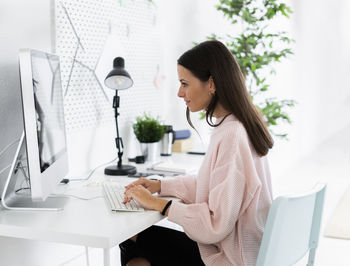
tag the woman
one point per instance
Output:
(224, 208)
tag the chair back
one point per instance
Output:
(292, 228)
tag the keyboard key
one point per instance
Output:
(115, 197)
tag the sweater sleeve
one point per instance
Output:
(211, 221)
(183, 187)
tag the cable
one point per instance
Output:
(6, 167)
(68, 195)
(3, 170)
(22, 188)
(88, 177)
(72, 196)
(63, 195)
(8, 146)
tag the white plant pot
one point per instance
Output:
(150, 151)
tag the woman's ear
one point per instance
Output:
(212, 88)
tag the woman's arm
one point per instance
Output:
(211, 222)
(183, 187)
(233, 182)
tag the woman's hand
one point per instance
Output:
(144, 197)
(151, 185)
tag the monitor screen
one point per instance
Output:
(43, 117)
(49, 113)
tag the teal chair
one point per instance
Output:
(292, 229)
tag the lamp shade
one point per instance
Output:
(118, 78)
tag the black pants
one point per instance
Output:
(162, 247)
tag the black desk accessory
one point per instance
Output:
(118, 79)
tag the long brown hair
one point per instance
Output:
(213, 59)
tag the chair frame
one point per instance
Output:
(272, 240)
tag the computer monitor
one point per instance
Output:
(41, 158)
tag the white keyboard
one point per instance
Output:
(115, 197)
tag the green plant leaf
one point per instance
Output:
(148, 129)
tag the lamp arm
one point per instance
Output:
(120, 147)
(118, 139)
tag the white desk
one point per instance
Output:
(84, 222)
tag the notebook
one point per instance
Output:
(172, 167)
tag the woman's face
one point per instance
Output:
(197, 94)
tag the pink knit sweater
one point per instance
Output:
(225, 207)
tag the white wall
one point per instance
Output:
(323, 55)
(317, 77)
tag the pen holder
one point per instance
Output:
(150, 151)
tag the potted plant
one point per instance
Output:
(149, 132)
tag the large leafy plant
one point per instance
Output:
(257, 48)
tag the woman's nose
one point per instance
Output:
(181, 93)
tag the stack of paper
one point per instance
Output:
(171, 167)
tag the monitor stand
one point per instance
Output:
(16, 194)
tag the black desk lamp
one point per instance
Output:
(118, 79)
